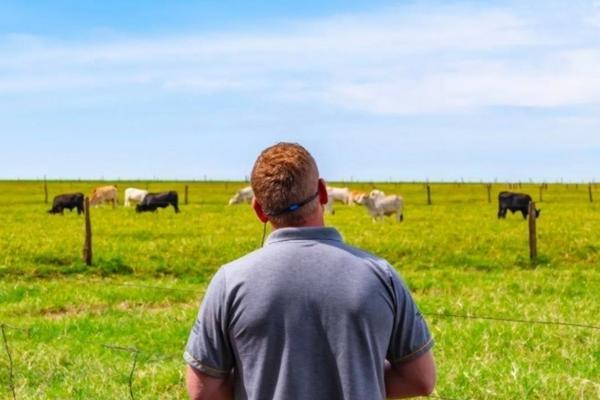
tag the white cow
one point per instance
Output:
(329, 206)
(378, 205)
(133, 195)
(243, 195)
(339, 194)
(376, 193)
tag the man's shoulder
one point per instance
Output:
(368, 257)
(239, 268)
(244, 262)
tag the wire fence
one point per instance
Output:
(11, 378)
(157, 357)
(135, 352)
(430, 313)
(515, 320)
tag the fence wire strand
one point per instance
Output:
(11, 382)
(135, 352)
(515, 320)
(443, 315)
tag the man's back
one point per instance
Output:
(306, 317)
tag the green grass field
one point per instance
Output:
(456, 256)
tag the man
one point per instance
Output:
(307, 316)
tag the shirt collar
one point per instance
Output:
(319, 233)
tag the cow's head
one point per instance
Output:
(140, 208)
(94, 197)
(235, 199)
(361, 199)
(375, 193)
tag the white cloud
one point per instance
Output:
(403, 61)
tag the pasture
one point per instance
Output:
(150, 271)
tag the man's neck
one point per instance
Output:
(312, 222)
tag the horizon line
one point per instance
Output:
(344, 181)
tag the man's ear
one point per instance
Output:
(260, 214)
(323, 195)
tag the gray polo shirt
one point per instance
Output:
(306, 317)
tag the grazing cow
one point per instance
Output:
(377, 193)
(134, 195)
(329, 206)
(243, 195)
(104, 194)
(378, 206)
(514, 202)
(68, 200)
(341, 195)
(153, 201)
(354, 195)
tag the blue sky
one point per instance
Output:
(375, 90)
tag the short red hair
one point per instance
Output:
(285, 174)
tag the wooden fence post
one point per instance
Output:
(532, 232)
(45, 191)
(590, 193)
(428, 194)
(87, 244)
(489, 192)
(186, 194)
(541, 195)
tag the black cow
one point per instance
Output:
(68, 200)
(514, 202)
(152, 201)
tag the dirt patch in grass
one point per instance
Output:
(57, 313)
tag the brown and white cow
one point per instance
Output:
(104, 194)
(355, 195)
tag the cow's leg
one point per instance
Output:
(400, 217)
(524, 212)
(501, 212)
(114, 203)
(176, 207)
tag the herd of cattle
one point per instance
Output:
(377, 203)
(144, 200)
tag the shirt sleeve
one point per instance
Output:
(208, 349)
(410, 336)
